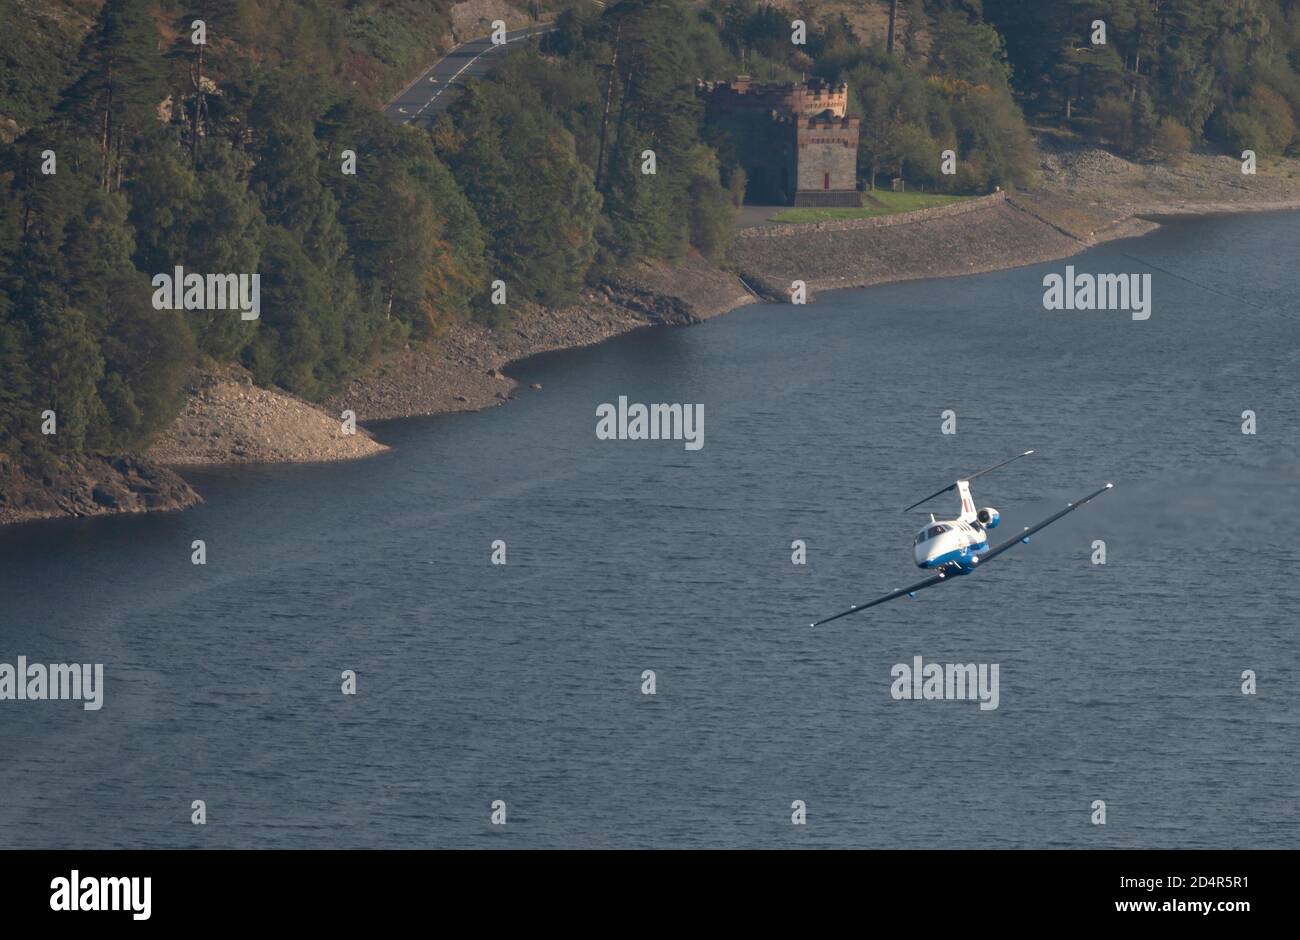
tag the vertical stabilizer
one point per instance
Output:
(967, 503)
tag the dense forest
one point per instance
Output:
(227, 156)
(1170, 75)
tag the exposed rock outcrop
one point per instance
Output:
(471, 19)
(89, 486)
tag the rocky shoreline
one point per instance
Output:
(229, 420)
(1087, 197)
(936, 242)
(90, 486)
(468, 370)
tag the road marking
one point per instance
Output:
(453, 79)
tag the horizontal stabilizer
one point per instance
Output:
(952, 486)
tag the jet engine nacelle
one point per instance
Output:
(988, 517)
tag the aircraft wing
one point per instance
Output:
(987, 556)
(928, 582)
(998, 549)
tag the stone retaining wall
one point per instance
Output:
(875, 221)
(988, 233)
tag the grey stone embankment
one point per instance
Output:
(1085, 196)
(988, 233)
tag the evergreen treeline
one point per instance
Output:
(227, 158)
(224, 157)
(1172, 74)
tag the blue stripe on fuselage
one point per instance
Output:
(961, 557)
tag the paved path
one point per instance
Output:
(426, 97)
(754, 216)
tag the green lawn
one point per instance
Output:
(880, 202)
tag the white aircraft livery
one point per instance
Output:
(956, 547)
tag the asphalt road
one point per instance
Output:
(431, 93)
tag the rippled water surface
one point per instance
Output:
(523, 682)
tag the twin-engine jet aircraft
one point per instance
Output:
(958, 546)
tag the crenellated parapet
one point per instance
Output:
(796, 140)
(785, 98)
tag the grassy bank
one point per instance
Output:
(873, 204)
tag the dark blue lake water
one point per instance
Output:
(522, 683)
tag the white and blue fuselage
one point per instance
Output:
(950, 548)
(955, 545)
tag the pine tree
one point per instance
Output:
(117, 96)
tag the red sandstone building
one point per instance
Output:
(796, 141)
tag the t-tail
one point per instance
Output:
(963, 487)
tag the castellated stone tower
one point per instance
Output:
(796, 141)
